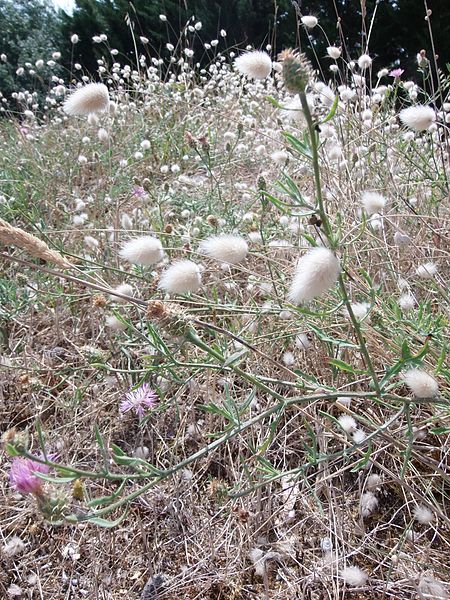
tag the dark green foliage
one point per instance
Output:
(29, 30)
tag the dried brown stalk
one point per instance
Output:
(10, 235)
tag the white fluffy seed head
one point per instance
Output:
(421, 384)
(91, 98)
(347, 423)
(430, 588)
(309, 21)
(146, 250)
(359, 436)
(181, 277)
(302, 341)
(364, 61)
(359, 309)
(334, 52)
(419, 118)
(124, 288)
(423, 515)
(407, 302)
(368, 504)
(114, 323)
(316, 272)
(255, 64)
(13, 546)
(354, 576)
(427, 270)
(373, 202)
(227, 248)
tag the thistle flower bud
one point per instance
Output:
(297, 70)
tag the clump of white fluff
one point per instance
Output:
(368, 504)
(373, 202)
(359, 309)
(407, 302)
(114, 323)
(354, 576)
(309, 21)
(423, 515)
(227, 248)
(421, 384)
(89, 99)
(181, 277)
(146, 250)
(255, 64)
(316, 272)
(125, 289)
(418, 118)
(430, 588)
(427, 270)
(347, 423)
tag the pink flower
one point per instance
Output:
(139, 400)
(22, 475)
(397, 73)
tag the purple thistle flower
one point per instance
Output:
(22, 475)
(139, 400)
(139, 192)
(396, 73)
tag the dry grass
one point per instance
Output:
(288, 480)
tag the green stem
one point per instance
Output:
(333, 243)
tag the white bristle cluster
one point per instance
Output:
(368, 504)
(181, 277)
(421, 384)
(146, 250)
(423, 515)
(316, 272)
(430, 588)
(89, 99)
(255, 64)
(418, 118)
(226, 248)
(347, 423)
(427, 270)
(373, 202)
(354, 576)
(125, 289)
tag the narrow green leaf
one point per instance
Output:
(332, 112)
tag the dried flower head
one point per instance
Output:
(255, 64)
(89, 99)
(139, 400)
(316, 272)
(227, 248)
(418, 117)
(421, 384)
(297, 70)
(146, 250)
(181, 277)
